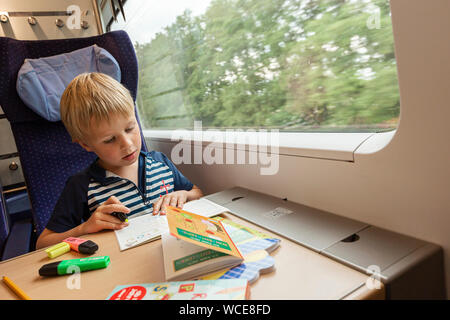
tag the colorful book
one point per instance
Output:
(184, 260)
(200, 230)
(255, 263)
(196, 245)
(235, 289)
(248, 239)
(255, 246)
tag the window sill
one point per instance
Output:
(331, 146)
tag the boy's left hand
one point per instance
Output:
(174, 199)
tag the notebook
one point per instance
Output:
(141, 230)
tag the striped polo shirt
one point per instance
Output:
(87, 190)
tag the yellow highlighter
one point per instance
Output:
(57, 250)
(19, 292)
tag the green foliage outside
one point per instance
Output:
(295, 65)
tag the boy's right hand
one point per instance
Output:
(102, 219)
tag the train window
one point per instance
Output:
(292, 65)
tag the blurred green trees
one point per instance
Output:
(288, 64)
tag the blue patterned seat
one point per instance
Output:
(15, 234)
(46, 152)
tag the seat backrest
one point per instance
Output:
(46, 152)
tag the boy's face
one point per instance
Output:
(116, 142)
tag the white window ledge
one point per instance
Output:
(333, 146)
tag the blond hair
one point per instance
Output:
(94, 96)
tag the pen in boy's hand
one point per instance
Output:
(120, 215)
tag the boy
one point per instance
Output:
(98, 113)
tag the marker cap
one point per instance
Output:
(49, 269)
(88, 247)
(82, 245)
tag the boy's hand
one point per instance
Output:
(174, 199)
(102, 218)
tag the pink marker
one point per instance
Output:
(82, 245)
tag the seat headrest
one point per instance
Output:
(41, 82)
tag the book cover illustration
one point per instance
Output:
(248, 239)
(202, 231)
(234, 289)
(254, 246)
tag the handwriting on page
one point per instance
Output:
(140, 230)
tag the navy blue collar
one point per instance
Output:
(98, 173)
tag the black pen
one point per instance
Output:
(120, 215)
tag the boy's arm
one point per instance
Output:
(48, 237)
(194, 194)
(99, 220)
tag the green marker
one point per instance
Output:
(63, 267)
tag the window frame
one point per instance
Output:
(329, 146)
